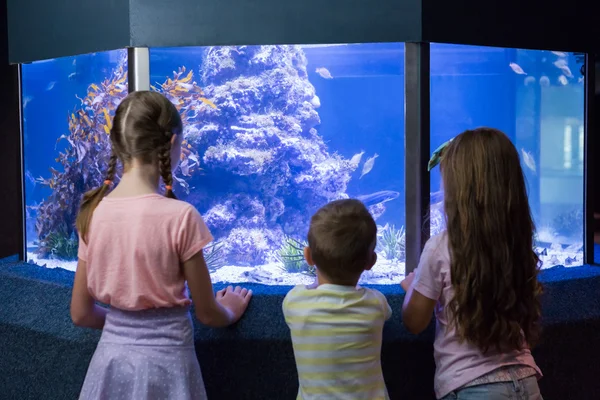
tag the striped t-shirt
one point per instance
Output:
(336, 334)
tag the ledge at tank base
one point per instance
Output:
(45, 356)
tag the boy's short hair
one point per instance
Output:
(342, 237)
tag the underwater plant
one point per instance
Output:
(85, 158)
(391, 242)
(214, 256)
(83, 162)
(291, 255)
(59, 245)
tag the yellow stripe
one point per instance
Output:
(333, 331)
(309, 304)
(341, 375)
(343, 389)
(336, 346)
(310, 361)
(333, 318)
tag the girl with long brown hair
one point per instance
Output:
(137, 249)
(480, 276)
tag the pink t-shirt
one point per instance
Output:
(135, 249)
(456, 363)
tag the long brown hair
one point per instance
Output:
(490, 233)
(143, 127)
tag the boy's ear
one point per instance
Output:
(372, 263)
(308, 256)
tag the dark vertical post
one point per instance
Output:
(18, 72)
(138, 68)
(590, 170)
(416, 150)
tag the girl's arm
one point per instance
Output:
(84, 310)
(416, 310)
(226, 308)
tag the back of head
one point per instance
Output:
(143, 128)
(490, 233)
(342, 238)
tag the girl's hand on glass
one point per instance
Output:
(234, 300)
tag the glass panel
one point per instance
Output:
(275, 132)
(537, 99)
(67, 105)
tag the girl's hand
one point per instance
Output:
(407, 281)
(234, 300)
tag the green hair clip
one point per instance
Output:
(436, 156)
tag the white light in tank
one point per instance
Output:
(581, 149)
(567, 147)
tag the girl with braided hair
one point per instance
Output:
(137, 249)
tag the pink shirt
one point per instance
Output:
(456, 363)
(135, 249)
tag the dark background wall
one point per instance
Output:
(11, 228)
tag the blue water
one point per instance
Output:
(360, 106)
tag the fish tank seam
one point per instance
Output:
(274, 132)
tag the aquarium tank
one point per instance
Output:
(536, 98)
(272, 133)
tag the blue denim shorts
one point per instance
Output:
(524, 389)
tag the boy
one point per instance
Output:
(336, 326)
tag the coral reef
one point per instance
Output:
(252, 160)
(264, 166)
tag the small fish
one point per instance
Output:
(94, 86)
(27, 100)
(72, 76)
(569, 261)
(563, 80)
(580, 79)
(560, 63)
(517, 69)
(528, 160)
(368, 166)
(378, 197)
(50, 85)
(559, 53)
(355, 160)
(554, 260)
(324, 73)
(543, 252)
(567, 72)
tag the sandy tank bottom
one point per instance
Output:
(385, 272)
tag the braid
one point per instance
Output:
(92, 198)
(164, 165)
(112, 167)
